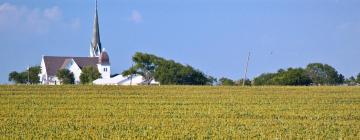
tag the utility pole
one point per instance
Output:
(28, 80)
(246, 68)
(131, 76)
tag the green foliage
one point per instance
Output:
(265, 79)
(18, 78)
(351, 81)
(241, 82)
(31, 75)
(229, 82)
(89, 74)
(226, 82)
(65, 76)
(323, 74)
(145, 65)
(167, 72)
(211, 80)
(358, 78)
(314, 73)
(291, 77)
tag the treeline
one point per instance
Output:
(314, 74)
(31, 76)
(169, 72)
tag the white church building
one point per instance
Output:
(98, 58)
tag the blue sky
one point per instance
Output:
(214, 36)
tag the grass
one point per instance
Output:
(179, 112)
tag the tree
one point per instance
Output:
(18, 78)
(291, 77)
(323, 74)
(340, 79)
(34, 74)
(169, 72)
(241, 82)
(358, 78)
(144, 66)
(211, 80)
(166, 72)
(264, 79)
(89, 74)
(30, 75)
(65, 76)
(226, 82)
(351, 81)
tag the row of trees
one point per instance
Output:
(167, 72)
(229, 82)
(313, 74)
(352, 80)
(31, 76)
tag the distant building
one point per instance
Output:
(98, 58)
(127, 81)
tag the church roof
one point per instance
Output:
(54, 63)
(66, 62)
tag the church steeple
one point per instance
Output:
(95, 47)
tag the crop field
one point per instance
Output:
(179, 112)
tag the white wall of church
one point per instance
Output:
(75, 69)
(42, 75)
(104, 70)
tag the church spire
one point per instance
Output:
(95, 48)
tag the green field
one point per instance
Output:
(179, 112)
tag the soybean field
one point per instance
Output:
(178, 112)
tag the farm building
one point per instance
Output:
(127, 80)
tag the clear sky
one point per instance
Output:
(214, 36)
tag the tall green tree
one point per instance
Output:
(358, 78)
(324, 74)
(145, 65)
(89, 74)
(167, 72)
(31, 75)
(18, 78)
(65, 76)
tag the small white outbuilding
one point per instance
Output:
(121, 80)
